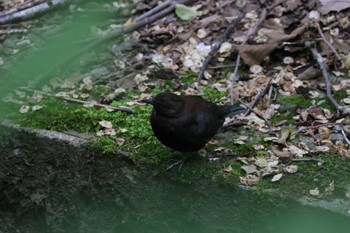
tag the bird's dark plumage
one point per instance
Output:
(186, 123)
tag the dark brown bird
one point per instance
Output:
(186, 123)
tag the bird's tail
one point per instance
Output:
(232, 110)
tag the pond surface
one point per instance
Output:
(173, 207)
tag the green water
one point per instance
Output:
(178, 208)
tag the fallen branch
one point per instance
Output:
(317, 56)
(12, 31)
(217, 45)
(122, 109)
(154, 10)
(344, 135)
(20, 7)
(250, 33)
(305, 128)
(327, 42)
(32, 11)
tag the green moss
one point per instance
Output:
(310, 176)
(212, 93)
(295, 100)
(339, 95)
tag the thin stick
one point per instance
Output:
(327, 42)
(258, 114)
(32, 10)
(217, 45)
(317, 56)
(344, 135)
(261, 94)
(304, 128)
(13, 31)
(122, 109)
(250, 32)
(306, 160)
(154, 10)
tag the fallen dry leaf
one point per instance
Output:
(314, 192)
(276, 177)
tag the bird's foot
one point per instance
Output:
(179, 163)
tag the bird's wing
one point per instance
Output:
(201, 122)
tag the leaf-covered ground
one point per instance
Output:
(287, 62)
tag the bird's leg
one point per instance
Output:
(179, 162)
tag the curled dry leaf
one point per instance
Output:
(258, 147)
(249, 180)
(325, 133)
(261, 162)
(276, 177)
(87, 83)
(106, 124)
(202, 33)
(225, 48)
(249, 169)
(228, 169)
(37, 107)
(296, 151)
(120, 141)
(281, 154)
(329, 190)
(24, 109)
(314, 192)
(292, 168)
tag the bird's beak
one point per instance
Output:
(148, 101)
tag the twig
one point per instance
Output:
(33, 10)
(154, 10)
(317, 56)
(327, 42)
(261, 94)
(221, 66)
(122, 109)
(21, 7)
(344, 135)
(12, 31)
(258, 114)
(306, 160)
(250, 32)
(304, 128)
(217, 45)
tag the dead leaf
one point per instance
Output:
(292, 168)
(276, 177)
(228, 169)
(261, 162)
(329, 190)
(120, 141)
(185, 12)
(314, 192)
(24, 109)
(325, 133)
(249, 180)
(281, 154)
(106, 124)
(284, 137)
(249, 169)
(255, 54)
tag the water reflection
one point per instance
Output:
(169, 207)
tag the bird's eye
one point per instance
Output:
(164, 100)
